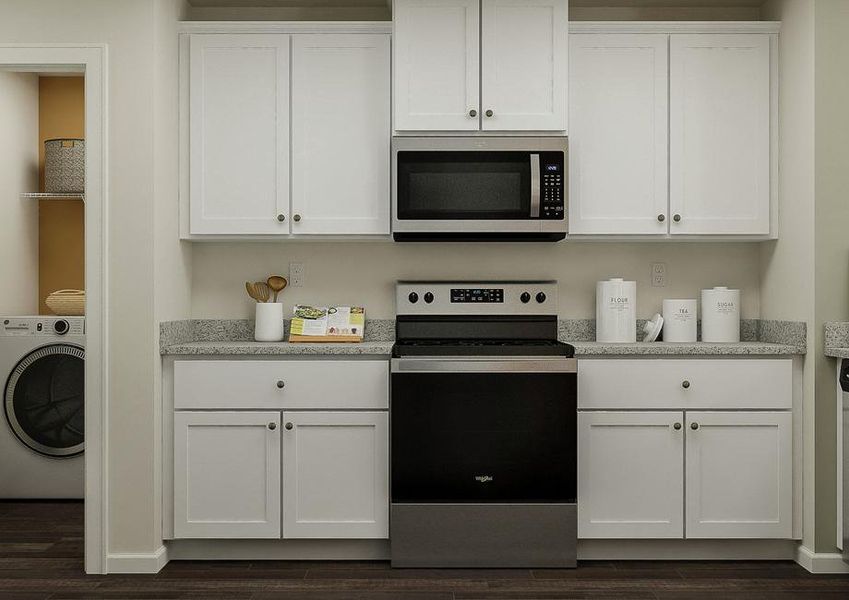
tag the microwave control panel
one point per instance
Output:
(552, 182)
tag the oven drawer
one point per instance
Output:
(291, 384)
(685, 383)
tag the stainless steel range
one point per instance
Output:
(483, 427)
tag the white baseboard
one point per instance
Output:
(137, 562)
(821, 562)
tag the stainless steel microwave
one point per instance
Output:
(479, 188)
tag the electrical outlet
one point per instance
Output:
(658, 274)
(296, 274)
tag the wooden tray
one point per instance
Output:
(325, 339)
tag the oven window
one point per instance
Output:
(464, 185)
(483, 437)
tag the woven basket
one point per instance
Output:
(67, 303)
(64, 166)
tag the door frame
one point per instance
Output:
(89, 60)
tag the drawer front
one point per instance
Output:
(291, 384)
(685, 384)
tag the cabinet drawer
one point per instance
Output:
(260, 384)
(685, 384)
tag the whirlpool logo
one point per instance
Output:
(483, 478)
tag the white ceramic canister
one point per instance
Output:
(679, 320)
(720, 315)
(616, 311)
(269, 325)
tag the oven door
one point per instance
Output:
(478, 188)
(483, 431)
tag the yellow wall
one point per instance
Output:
(61, 234)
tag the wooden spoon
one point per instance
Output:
(277, 284)
(263, 292)
(251, 289)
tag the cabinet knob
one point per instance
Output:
(281, 217)
(272, 426)
(297, 218)
(677, 426)
(694, 426)
(281, 384)
(676, 218)
(473, 113)
(489, 113)
(289, 426)
(661, 218)
(685, 384)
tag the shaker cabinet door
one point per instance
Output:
(720, 134)
(340, 134)
(437, 65)
(618, 127)
(226, 474)
(239, 134)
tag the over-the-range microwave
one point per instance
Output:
(479, 188)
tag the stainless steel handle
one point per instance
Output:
(272, 426)
(289, 426)
(473, 113)
(281, 384)
(694, 426)
(297, 218)
(677, 426)
(661, 218)
(535, 186)
(488, 113)
(528, 364)
(281, 217)
(685, 384)
(677, 218)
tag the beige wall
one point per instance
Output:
(18, 174)
(832, 241)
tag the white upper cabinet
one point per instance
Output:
(618, 127)
(720, 134)
(340, 134)
(470, 65)
(524, 65)
(239, 134)
(437, 65)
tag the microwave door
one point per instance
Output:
(535, 186)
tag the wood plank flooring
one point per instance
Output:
(41, 550)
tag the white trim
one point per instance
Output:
(674, 27)
(92, 60)
(151, 562)
(821, 562)
(278, 550)
(659, 549)
(285, 27)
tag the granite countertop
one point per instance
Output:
(234, 337)
(837, 340)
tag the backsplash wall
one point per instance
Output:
(365, 272)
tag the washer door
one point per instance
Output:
(45, 400)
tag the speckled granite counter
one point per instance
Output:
(837, 340)
(234, 337)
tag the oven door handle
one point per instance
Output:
(488, 365)
(535, 186)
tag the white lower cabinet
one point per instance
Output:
(739, 475)
(336, 474)
(630, 474)
(227, 474)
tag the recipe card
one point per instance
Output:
(328, 321)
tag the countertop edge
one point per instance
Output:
(837, 352)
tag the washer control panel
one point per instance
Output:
(41, 326)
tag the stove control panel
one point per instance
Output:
(477, 295)
(476, 298)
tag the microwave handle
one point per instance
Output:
(535, 186)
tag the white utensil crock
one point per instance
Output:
(269, 326)
(720, 315)
(616, 311)
(679, 320)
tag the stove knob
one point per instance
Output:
(413, 297)
(541, 297)
(525, 297)
(428, 297)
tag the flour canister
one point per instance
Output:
(616, 311)
(679, 320)
(720, 315)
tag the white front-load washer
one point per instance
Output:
(41, 442)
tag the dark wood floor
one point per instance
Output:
(41, 551)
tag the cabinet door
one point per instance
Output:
(630, 474)
(227, 474)
(618, 150)
(720, 134)
(437, 65)
(524, 64)
(739, 475)
(340, 134)
(239, 134)
(336, 474)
